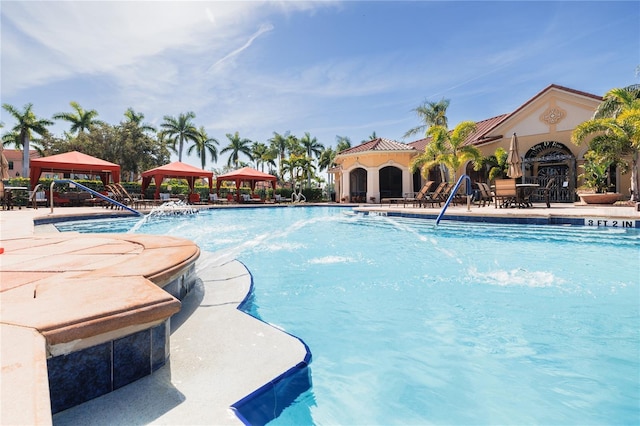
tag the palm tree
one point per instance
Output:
(342, 143)
(27, 122)
(298, 166)
(313, 149)
(81, 120)
(181, 129)
(372, 137)
(236, 147)
(311, 145)
(203, 145)
(263, 154)
(279, 144)
(618, 135)
(431, 114)
(497, 164)
(326, 161)
(136, 118)
(616, 100)
(294, 146)
(447, 148)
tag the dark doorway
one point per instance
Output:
(358, 184)
(552, 160)
(390, 182)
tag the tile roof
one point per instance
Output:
(480, 136)
(484, 128)
(378, 144)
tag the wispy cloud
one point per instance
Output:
(263, 29)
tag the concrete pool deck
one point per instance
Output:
(218, 353)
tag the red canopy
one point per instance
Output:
(73, 162)
(175, 170)
(246, 174)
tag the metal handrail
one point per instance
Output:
(453, 194)
(90, 191)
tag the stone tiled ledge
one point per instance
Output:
(25, 384)
(69, 292)
(227, 367)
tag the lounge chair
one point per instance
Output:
(213, 198)
(124, 194)
(280, 199)
(459, 197)
(506, 193)
(486, 195)
(420, 195)
(437, 196)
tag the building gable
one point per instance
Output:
(555, 109)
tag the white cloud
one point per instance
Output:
(58, 40)
(263, 29)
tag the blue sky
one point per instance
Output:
(345, 68)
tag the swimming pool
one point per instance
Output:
(459, 324)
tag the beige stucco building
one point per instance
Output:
(380, 168)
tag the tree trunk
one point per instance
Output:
(25, 156)
(634, 178)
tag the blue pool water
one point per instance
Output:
(459, 324)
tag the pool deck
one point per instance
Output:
(218, 353)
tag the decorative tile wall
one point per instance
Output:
(89, 373)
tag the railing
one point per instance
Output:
(453, 194)
(92, 192)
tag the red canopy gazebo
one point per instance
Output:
(245, 174)
(176, 170)
(73, 162)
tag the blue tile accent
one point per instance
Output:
(159, 345)
(181, 286)
(57, 219)
(173, 288)
(92, 372)
(268, 402)
(131, 358)
(79, 376)
(573, 221)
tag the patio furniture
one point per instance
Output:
(506, 193)
(438, 196)
(486, 195)
(37, 197)
(524, 192)
(417, 199)
(388, 200)
(545, 192)
(280, 199)
(194, 198)
(213, 198)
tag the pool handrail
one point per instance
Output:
(453, 194)
(92, 192)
